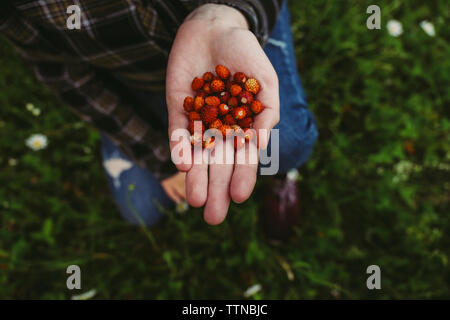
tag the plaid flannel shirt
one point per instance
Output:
(120, 42)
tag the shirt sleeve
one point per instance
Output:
(260, 14)
(85, 90)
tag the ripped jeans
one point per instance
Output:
(139, 195)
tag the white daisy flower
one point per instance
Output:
(254, 289)
(29, 106)
(12, 162)
(85, 296)
(428, 27)
(36, 112)
(292, 174)
(182, 207)
(395, 28)
(37, 142)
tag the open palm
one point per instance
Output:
(199, 46)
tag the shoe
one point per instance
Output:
(281, 205)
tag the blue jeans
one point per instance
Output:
(139, 195)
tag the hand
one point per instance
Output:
(212, 35)
(175, 187)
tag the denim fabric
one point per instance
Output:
(297, 134)
(137, 193)
(297, 128)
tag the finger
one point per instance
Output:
(179, 137)
(244, 175)
(270, 116)
(197, 180)
(218, 201)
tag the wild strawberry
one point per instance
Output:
(224, 96)
(248, 112)
(256, 106)
(246, 122)
(239, 113)
(222, 72)
(240, 77)
(217, 85)
(216, 124)
(194, 116)
(223, 109)
(209, 143)
(226, 130)
(245, 97)
(252, 85)
(248, 134)
(228, 85)
(232, 102)
(209, 114)
(229, 120)
(212, 101)
(200, 93)
(199, 102)
(207, 88)
(208, 76)
(188, 104)
(197, 83)
(235, 89)
(191, 126)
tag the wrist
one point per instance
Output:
(219, 15)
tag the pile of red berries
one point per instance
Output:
(223, 103)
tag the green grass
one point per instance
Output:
(376, 190)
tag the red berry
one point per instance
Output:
(235, 89)
(209, 114)
(208, 76)
(239, 113)
(228, 119)
(212, 101)
(248, 112)
(217, 85)
(207, 88)
(197, 83)
(240, 77)
(194, 116)
(222, 72)
(199, 102)
(228, 85)
(232, 102)
(224, 96)
(245, 97)
(200, 93)
(246, 122)
(216, 124)
(226, 130)
(256, 106)
(252, 85)
(188, 104)
(223, 109)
